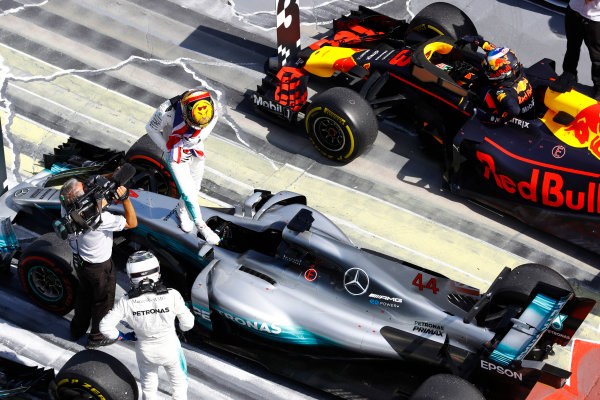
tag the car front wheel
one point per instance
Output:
(341, 124)
(94, 375)
(152, 172)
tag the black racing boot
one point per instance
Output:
(94, 343)
(564, 82)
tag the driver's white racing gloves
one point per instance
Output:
(210, 237)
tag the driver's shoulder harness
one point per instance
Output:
(147, 287)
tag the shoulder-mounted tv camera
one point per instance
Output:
(85, 212)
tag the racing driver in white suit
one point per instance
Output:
(179, 127)
(150, 308)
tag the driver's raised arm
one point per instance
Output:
(477, 40)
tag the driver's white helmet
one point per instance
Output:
(142, 265)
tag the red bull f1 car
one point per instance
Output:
(544, 171)
(288, 289)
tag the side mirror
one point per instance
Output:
(563, 118)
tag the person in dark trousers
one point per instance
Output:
(582, 25)
(92, 257)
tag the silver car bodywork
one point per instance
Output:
(285, 276)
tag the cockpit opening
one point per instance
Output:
(240, 239)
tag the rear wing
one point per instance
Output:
(528, 328)
(570, 318)
(545, 321)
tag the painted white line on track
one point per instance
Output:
(243, 145)
(590, 326)
(21, 8)
(229, 178)
(182, 62)
(74, 75)
(29, 120)
(244, 16)
(97, 121)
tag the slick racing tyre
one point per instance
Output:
(152, 172)
(448, 387)
(341, 124)
(518, 287)
(514, 293)
(47, 275)
(93, 374)
(442, 19)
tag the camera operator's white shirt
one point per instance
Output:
(589, 9)
(96, 246)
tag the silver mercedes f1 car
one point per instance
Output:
(287, 288)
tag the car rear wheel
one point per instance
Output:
(341, 124)
(93, 374)
(47, 275)
(518, 287)
(442, 19)
(152, 172)
(446, 386)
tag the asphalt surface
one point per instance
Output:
(96, 70)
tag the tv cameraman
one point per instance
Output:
(92, 257)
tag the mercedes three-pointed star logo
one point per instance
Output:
(356, 281)
(21, 192)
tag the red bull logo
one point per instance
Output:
(344, 64)
(585, 130)
(545, 188)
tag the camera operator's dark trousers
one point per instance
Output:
(578, 30)
(95, 297)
